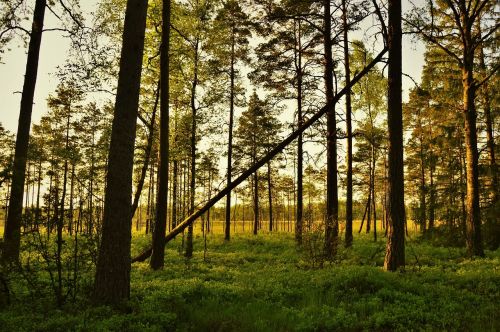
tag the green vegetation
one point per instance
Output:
(263, 283)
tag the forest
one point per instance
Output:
(250, 165)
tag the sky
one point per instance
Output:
(53, 53)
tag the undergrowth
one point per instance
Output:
(264, 283)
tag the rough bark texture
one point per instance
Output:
(395, 251)
(473, 217)
(332, 225)
(158, 255)
(300, 154)
(348, 110)
(112, 281)
(12, 232)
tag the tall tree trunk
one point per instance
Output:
(299, 221)
(423, 205)
(227, 234)
(12, 231)
(174, 193)
(473, 219)
(192, 186)
(332, 226)
(112, 280)
(147, 155)
(395, 251)
(158, 254)
(348, 110)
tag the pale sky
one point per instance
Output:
(53, 52)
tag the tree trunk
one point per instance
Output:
(332, 226)
(269, 192)
(395, 251)
(112, 280)
(147, 156)
(158, 254)
(473, 219)
(227, 234)
(12, 231)
(255, 203)
(299, 222)
(348, 110)
(432, 201)
(192, 185)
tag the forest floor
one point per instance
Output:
(264, 283)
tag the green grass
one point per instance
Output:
(263, 283)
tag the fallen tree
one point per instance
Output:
(221, 194)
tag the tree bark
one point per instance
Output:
(112, 280)
(158, 255)
(255, 203)
(299, 221)
(227, 234)
(269, 193)
(473, 216)
(348, 110)
(12, 231)
(332, 226)
(192, 184)
(395, 251)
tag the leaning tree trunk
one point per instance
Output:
(395, 251)
(332, 226)
(259, 163)
(112, 280)
(12, 232)
(158, 255)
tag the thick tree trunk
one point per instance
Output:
(473, 218)
(158, 255)
(12, 231)
(112, 281)
(299, 221)
(332, 226)
(395, 251)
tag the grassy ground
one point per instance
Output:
(263, 283)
